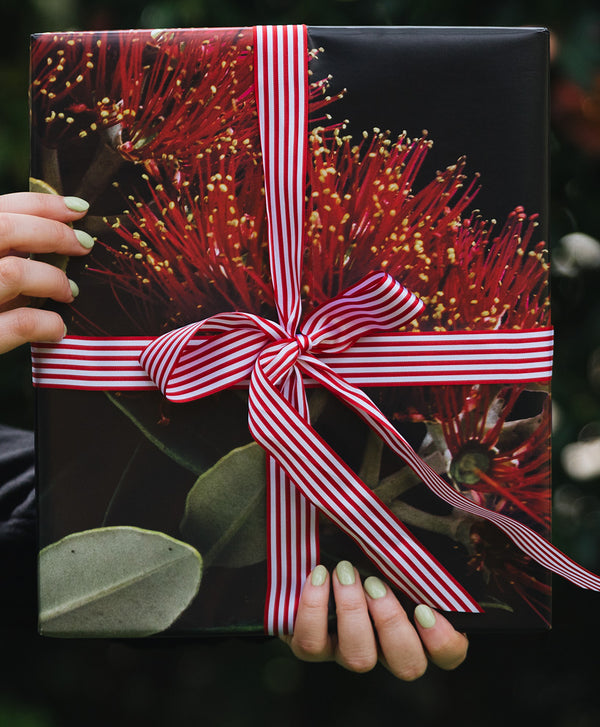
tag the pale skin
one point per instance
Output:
(372, 626)
(32, 223)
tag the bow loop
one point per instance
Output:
(205, 357)
(376, 303)
(202, 358)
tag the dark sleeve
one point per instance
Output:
(17, 498)
(17, 527)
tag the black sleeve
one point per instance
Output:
(17, 526)
(17, 498)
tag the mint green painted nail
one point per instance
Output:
(318, 576)
(345, 573)
(74, 288)
(76, 204)
(84, 239)
(425, 616)
(374, 587)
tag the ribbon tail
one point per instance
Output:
(530, 542)
(325, 480)
(292, 533)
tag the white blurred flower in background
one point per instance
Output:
(575, 252)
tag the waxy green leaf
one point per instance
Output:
(116, 581)
(225, 509)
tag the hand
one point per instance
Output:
(36, 223)
(371, 625)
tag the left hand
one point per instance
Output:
(371, 626)
(31, 224)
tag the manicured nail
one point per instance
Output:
(425, 616)
(84, 239)
(318, 576)
(345, 573)
(74, 288)
(76, 204)
(374, 587)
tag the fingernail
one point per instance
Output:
(374, 587)
(65, 329)
(345, 573)
(425, 616)
(74, 288)
(318, 576)
(76, 204)
(84, 239)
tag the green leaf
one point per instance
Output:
(225, 509)
(116, 581)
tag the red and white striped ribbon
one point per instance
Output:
(348, 342)
(387, 359)
(281, 83)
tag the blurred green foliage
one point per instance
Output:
(232, 684)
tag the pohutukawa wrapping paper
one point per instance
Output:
(298, 338)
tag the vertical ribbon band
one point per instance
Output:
(281, 84)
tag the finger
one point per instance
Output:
(446, 647)
(19, 276)
(357, 646)
(311, 640)
(50, 206)
(32, 234)
(400, 644)
(24, 325)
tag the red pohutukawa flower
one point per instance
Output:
(364, 214)
(162, 97)
(507, 571)
(502, 463)
(187, 254)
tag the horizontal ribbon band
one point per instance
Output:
(391, 359)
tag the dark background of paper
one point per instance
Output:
(553, 677)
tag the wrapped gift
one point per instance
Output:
(314, 326)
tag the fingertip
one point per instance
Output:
(425, 616)
(446, 647)
(319, 576)
(76, 204)
(44, 203)
(52, 329)
(84, 239)
(310, 640)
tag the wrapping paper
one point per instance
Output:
(160, 129)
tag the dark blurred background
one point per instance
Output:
(551, 677)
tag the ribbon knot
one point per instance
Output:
(303, 341)
(205, 357)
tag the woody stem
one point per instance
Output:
(404, 479)
(371, 462)
(455, 526)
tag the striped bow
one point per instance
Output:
(239, 345)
